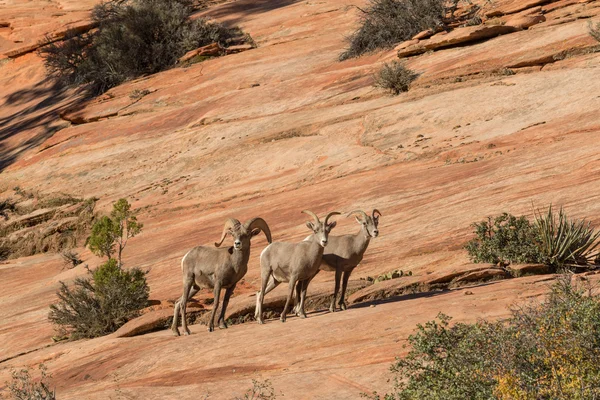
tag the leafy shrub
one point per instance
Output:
(384, 23)
(394, 77)
(567, 242)
(544, 351)
(99, 305)
(506, 239)
(132, 38)
(114, 230)
(22, 387)
(111, 296)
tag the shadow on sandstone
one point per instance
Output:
(42, 117)
(247, 8)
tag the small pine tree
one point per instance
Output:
(115, 230)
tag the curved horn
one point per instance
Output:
(312, 214)
(360, 212)
(260, 224)
(376, 211)
(329, 215)
(231, 223)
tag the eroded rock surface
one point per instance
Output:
(490, 125)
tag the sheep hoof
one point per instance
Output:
(187, 333)
(211, 328)
(332, 309)
(261, 322)
(343, 306)
(176, 333)
(302, 315)
(223, 326)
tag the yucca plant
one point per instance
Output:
(567, 242)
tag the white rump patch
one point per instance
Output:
(183, 259)
(265, 249)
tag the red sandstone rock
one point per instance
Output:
(423, 34)
(528, 269)
(19, 51)
(405, 44)
(151, 321)
(525, 21)
(238, 48)
(212, 49)
(483, 275)
(514, 6)
(457, 36)
(192, 154)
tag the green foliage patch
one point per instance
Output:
(133, 38)
(552, 239)
(505, 239)
(101, 303)
(394, 77)
(547, 350)
(383, 23)
(565, 241)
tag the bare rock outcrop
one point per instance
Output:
(457, 36)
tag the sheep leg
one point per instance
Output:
(211, 324)
(187, 286)
(228, 293)
(338, 278)
(296, 309)
(291, 291)
(302, 298)
(342, 302)
(273, 283)
(174, 327)
(269, 280)
(177, 307)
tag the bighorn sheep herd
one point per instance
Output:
(294, 263)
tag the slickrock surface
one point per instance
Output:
(490, 125)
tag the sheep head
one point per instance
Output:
(321, 229)
(369, 223)
(242, 233)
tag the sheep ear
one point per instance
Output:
(310, 226)
(332, 225)
(254, 232)
(358, 220)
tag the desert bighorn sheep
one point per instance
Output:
(292, 262)
(342, 255)
(222, 268)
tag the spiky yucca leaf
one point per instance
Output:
(567, 242)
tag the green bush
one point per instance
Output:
(505, 239)
(394, 77)
(555, 240)
(133, 38)
(544, 351)
(23, 387)
(100, 304)
(566, 242)
(116, 230)
(384, 23)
